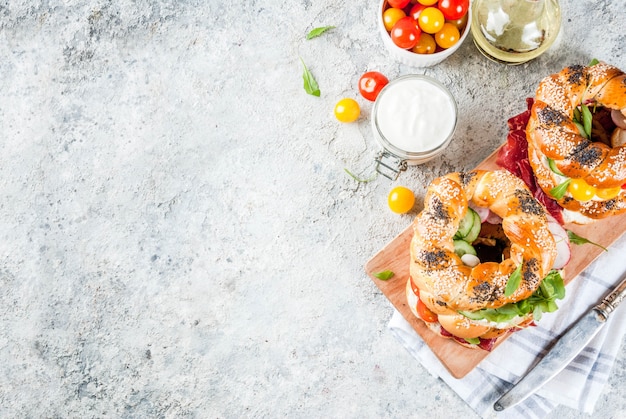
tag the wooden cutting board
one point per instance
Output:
(457, 359)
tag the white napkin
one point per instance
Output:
(582, 381)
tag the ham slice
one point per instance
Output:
(513, 156)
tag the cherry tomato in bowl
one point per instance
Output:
(405, 33)
(391, 16)
(401, 200)
(453, 9)
(371, 83)
(398, 4)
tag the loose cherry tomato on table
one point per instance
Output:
(371, 83)
(398, 4)
(401, 200)
(426, 44)
(447, 36)
(581, 190)
(391, 16)
(453, 9)
(405, 33)
(347, 110)
(431, 20)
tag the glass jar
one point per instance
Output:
(514, 31)
(414, 118)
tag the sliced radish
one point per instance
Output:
(483, 212)
(493, 218)
(470, 260)
(557, 230)
(618, 118)
(563, 250)
(563, 253)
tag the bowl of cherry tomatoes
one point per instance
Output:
(422, 33)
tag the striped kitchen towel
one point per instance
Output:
(578, 386)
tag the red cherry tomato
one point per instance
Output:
(398, 4)
(453, 9)
(371, 83)
(405, 33)
(425, 313)
(416, 10)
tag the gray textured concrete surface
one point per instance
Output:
(178, 237)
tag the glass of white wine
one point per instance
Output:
(515, 31)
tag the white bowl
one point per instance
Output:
(411, 58)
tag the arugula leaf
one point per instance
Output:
(576, 239)
(558, 192)
(473, 341)
(310, 85)
(552, 166)
(587, 119)
(318, 31)
(353, 176)
(514, 280)
(542, 301)
(593, 62)
(384, 275)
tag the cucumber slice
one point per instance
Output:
(475, 230)
(552, 166)
(461, 247)
(466, 224)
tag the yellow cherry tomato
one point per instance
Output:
(581, 190)
(608, 193)
(447, 36)
(431, 20)
(401, 200)
(347, 110)
(427, 2)
(459, 23)
(425, 45)
(391, 16)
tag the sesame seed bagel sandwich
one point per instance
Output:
(577, 141)
(485, 258)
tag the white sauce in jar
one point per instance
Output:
(415, 115)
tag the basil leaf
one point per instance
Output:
(359, 179)
(384, 275)
(514, 280)
(552, 166)
(318, 31)
(576, 239)
(587, 119)
(558, 192)
(310, 85)
(473, 341)
(593, 62)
